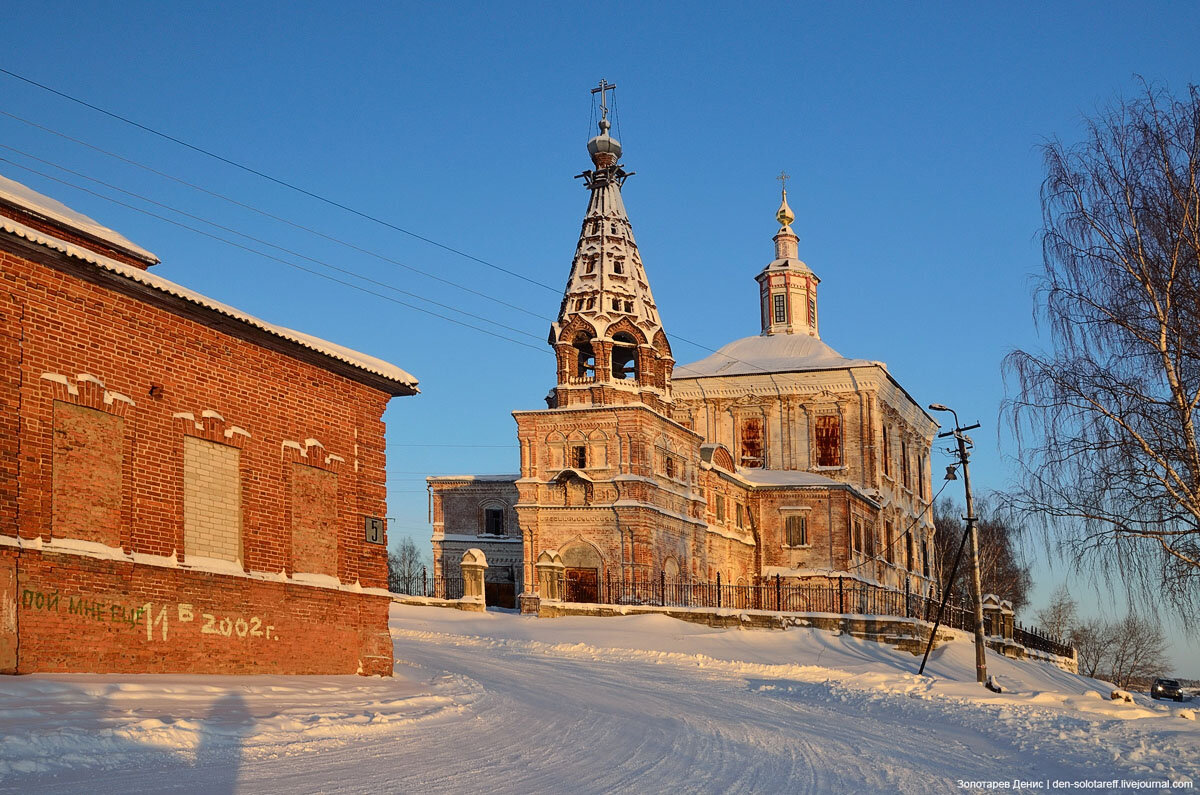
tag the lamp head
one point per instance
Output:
(938, 407)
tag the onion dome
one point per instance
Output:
(784, 214)
(604, 149)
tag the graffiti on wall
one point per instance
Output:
(156, 618)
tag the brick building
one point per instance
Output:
(773, 456)
(183, 487)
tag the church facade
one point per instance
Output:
(774, 456)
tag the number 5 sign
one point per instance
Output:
(373, 526)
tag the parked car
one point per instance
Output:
(1166, 688)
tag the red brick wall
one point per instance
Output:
(53, 322)
(82, 614)
(314, 520)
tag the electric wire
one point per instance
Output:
(268, 177)
(278, 259)
(265, 213)
(260, 241)
(331, 202)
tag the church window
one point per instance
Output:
(909, 551)
(889, 539)
(616, 305)
(752, 443)
(624, 357)
(591, 304)
(629, 306)
(904, 464)
(886, 453)
(925, 557)
(595, 227)
(856, 540)
(829, 441)
(493, 521)
(669, 466)
(869, 538)
(796, 529)
(591, 263)
(740, 511)
(585, 358)
(612, 229)
(921, 476)
(812, 312)
(619, 266)
(721, 508)
(780, 308)
(579, 456)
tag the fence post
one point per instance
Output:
(424, 583)
(907, 590)
(662, 588)
(778, 593)
(718, 589)
(841, 596)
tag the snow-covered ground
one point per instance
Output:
(502, 703)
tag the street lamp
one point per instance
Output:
(964, 445)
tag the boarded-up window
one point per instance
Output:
(829, 441)
(87, 463)
(888, 538)
(797, 531)
(741, 514)
(752, 442)
(904, 463)
(721, 508)
(212, 500)
(579, 457)
(886, 452)
(314, 520)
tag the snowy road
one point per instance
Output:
(645, 704)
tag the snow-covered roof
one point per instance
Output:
(476, 478)
(775, 353)
(358, 360)
(33, 202)
(785, 477)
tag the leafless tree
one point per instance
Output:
(1060, 615)
(1106, 419)
(1138, 651)
(1002, 568)
(1093, 641)
(404, 567)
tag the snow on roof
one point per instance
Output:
(776, 353)
(785, 477)
(480, 478)
(34, 202)
(361, 361)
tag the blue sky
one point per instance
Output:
(911, 132)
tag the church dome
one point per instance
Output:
(776, 353)
(604, 149)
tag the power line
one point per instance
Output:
(260, 241)
(279, 259)
(325, 200)
(267, 214)
(276, 180)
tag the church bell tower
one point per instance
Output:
(787, 287)
(608, 339)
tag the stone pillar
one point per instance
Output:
(474, 564)
(1006, 620)
(550, 575)
(992, 614)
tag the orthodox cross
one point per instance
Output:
(602, 89)
(783, 178)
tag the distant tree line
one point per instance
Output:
(1127, 652)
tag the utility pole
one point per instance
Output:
(964, 446)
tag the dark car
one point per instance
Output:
(1166, 688)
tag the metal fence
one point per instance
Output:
(844, 596)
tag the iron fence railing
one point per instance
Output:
(843, 596)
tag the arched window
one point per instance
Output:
(586, 356)
(829, 440)
(624, 357)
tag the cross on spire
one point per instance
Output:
(602, 89)
(783, 178)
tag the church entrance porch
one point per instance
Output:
(581, 585)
